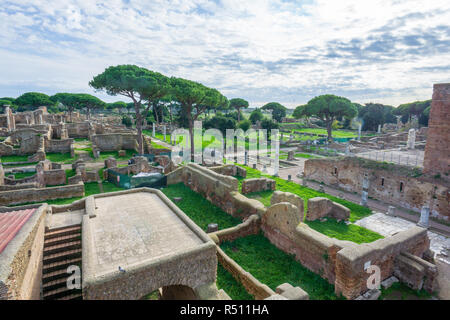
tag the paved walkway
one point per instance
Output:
(388, 226)
(375, 205)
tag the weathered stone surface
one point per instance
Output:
(257, 184)
(437, 149)
(392, 184)
(322, 207)
(388, 282)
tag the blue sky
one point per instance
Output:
(388, 51)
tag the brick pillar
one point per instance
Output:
(437, 149)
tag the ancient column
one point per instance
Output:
(365, 191)
(424, 217)
(359, 132)
(153, 129)
(290, 156)
(379, 128)
(164, 132)
(411, 139)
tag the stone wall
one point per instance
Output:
(58, 146)
(393, 184)
(250, 226)
(41, 194)
(257, 185)
(78, 129)
(114, 142)
(352, 262)
(54, 177)
(437, 149)
(230, 170)
(322, 207)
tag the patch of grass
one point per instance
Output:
(105, 155)
(234, 289)
(335, 133)
(273, 267)
(21, 175)
(13, 158)
(200, 210)
(60, 157)
(400, 291)
(339, 231)
(157, 146)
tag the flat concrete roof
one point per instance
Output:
(135, 228)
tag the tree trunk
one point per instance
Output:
(239, 114)
(329, 128)
(139, 128)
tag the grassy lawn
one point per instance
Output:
(21, 175)
(335, 133)
(284, 156)
(234, 289)
(200, 210)
(60, 157)
(273, 267)
(105, 155)
(157, 146)
(331, 228)
(400, 291)
(14, 158)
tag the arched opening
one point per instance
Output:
(174, 292)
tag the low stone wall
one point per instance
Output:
(41, 194)
(252, 285)
(54, 177)
(114, 142)
(214, 187)
(250, 226)
(257, 185)
(352, 262)
(393, 184)
(58, 146)
(415, 272)
(230, 170)
(319, 208)
(21, 269)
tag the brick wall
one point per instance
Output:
(437, 149)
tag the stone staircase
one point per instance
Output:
(62, 248)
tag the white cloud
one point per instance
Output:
(261, 50)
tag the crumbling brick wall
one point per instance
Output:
(437, 149)
(257, 185)
(389, 183)
(322, 207)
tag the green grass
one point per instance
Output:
(200, 210)
(14, 158)
(335, 133)
(330, 228)
(105, 155)
(273, 267)
(157, 146)
(400, 291)
(60, 157)
(234, 289)
(21, 175)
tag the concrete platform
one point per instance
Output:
(142, 232)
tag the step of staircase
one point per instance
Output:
(55, 233)
(62, 239)
(61, 265)
(60, 293)
(60, 256)
(62, 247)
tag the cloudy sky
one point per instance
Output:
(388, 51)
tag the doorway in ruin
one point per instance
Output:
(174, 292)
